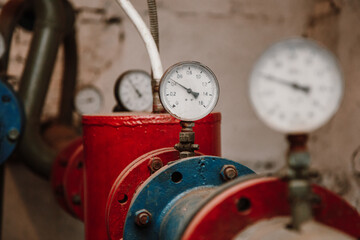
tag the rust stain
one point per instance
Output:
(323, 10)
(323, 22)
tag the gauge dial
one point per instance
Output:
(189, 91)
(88, 100)
(133, 91)
(296, 86)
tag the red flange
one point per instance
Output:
(59, 170)
(126, 184)
(74, 182)
(232, 210)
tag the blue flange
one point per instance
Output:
(11, 120)
(165, 202)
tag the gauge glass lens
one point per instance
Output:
(88, 100)
(296, 86)
(189, 91)
(135, 91)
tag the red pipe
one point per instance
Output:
(112, 142)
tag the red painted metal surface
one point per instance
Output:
(126, 185)
(60, 166)
(112, 142)
(268, 198)
(73, 183)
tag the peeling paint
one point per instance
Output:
(337, 182)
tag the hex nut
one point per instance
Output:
(228, 172)
(298, 160)
(76, 199)
(13, 134)
(142, 218)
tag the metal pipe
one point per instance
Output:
(69, 79)
(156, 66)
(35, 81)
(154, 29)
(300, 193)
(146, 36)
(70, 68)
(154, 24)
(9, 17)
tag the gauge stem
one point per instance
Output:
(186, 145)
(300, 194)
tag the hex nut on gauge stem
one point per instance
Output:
(13, 134)
(155, 164)
(142, 218)
(228, 172)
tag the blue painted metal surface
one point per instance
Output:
(173, 193)
(11, 121)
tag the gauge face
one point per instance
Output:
(133, 91)
(88, 100)
(296, 86)
(189, 91)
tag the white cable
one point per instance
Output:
(146, 36)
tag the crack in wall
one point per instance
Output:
(323, 22)
(88, 15)
(322, 11)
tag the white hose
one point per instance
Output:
(150, 44)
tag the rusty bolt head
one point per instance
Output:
(76, 199)
(142, 218)
(13, 134)
(155, 164)
(228, 172)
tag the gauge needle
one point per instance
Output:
(136, 90)
(195, 94)
(86, 100)
(287, 83)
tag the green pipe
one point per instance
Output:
(70, 68)
(9, 17)
(69, 80)
(35, 81)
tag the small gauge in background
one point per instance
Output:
(88, 100)
(296, 86)
(133, 92)
(189, 90)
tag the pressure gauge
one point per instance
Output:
(296, 86)
(88, 100)
(133, 91)
(189, 91)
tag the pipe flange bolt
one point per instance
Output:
(13, 134)
(228, 172)
(155, 164)
(142, 218)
